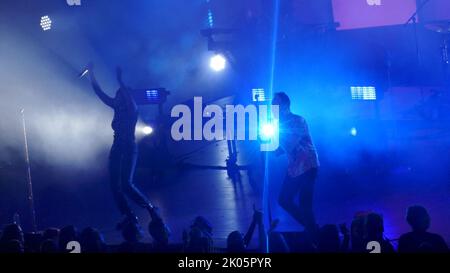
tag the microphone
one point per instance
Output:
(83, 73)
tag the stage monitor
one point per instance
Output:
(354, 14)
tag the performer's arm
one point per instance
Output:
(262, 236)
(98, 91)
(248, 236)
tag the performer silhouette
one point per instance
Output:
(303, 165)
(123, 154)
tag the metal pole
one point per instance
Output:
(29, 181)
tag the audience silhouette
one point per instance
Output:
(419, 240)
(366, 227)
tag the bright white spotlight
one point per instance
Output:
(268, 131)
(147, 130)
(46, 23)
(218, 62)
(353, 132)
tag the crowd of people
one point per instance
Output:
(366, 227)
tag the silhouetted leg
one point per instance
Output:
(286, 199)
(304, 186)
(128, 168)
(306, 199)
(115, 163)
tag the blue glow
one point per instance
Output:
(353, 132)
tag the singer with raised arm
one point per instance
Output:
(123, 154)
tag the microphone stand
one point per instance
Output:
(413, 19)
(30, 196)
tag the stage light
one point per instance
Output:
(210, 19)
(152, 95)
(363, 92)
(268, 130)
(353, 132)
(258, 94)
(46, 23)
(217, 62)
(147, 130)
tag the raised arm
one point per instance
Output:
(262, 236)
(249, 235)
(98, 91)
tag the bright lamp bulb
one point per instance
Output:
(217, 62)
(147, 130)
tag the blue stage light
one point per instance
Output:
(218, 62)
(353, 132)
(258, 94)
(268, 130)
(363, 92)
(152, 95)
(210, 19)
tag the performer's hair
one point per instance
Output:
(283, 99)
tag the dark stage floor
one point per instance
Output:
(340, 193)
